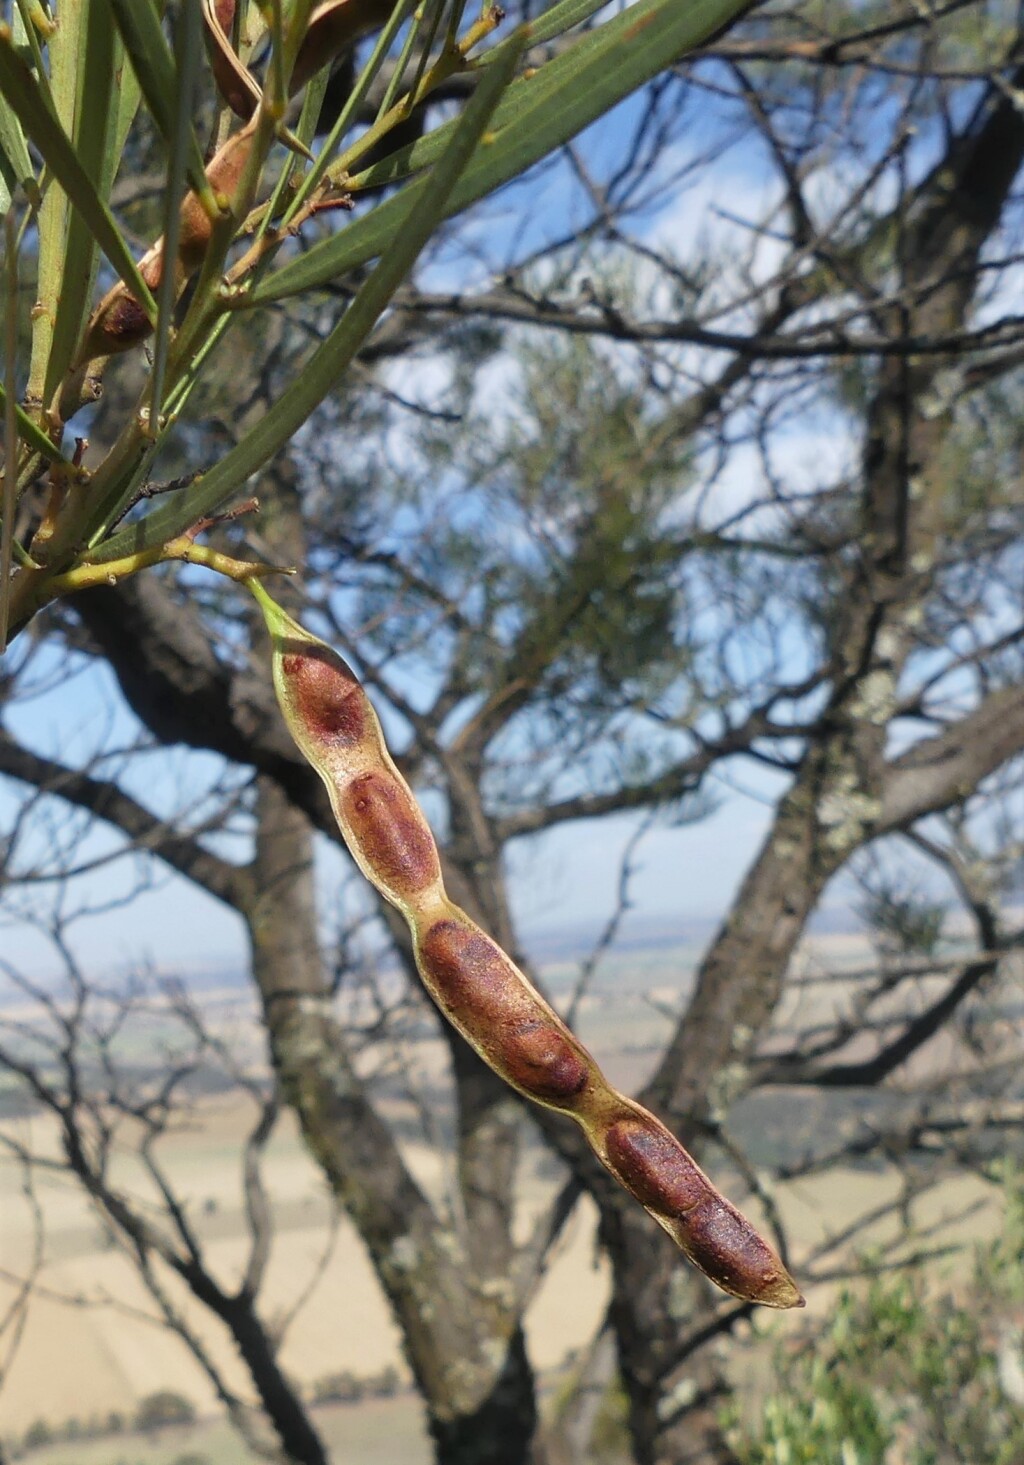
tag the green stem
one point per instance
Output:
(39, 587)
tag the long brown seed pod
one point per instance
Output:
(479, 990)
(334, 28)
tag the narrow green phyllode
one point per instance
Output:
(479, 989)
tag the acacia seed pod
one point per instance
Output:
(234, 82)
(334, 27)
(223, 173)
(119, 322)
(388, 827)
(479, 989)
(498, 1011)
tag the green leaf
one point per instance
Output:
(155, 69)
(59, 98)
(554, 22)
(92, 65)
(538, 114)
(25, 18)
(41, 125)
(188, 47)
(331, 359)
(15, 163)
(31, 433)
(128, 97)
(10, 489)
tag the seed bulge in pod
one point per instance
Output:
(327, 698)
(544, 1062)
(390, 833)
(728, 1250)
(474, 977)
(655, 1168)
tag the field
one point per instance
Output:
(92, 1346)
(377, 1432)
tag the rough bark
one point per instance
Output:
(837, 802)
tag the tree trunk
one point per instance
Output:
(450, 1288)
(836, 803)
(501, 1430)
(465, 1351)
(657, 1299)
(818, 824)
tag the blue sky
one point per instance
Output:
(566, 878)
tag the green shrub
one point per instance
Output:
(37, 1435)
(383, 1385)
(338, 1388)
(902, 1373)
(164, 1407)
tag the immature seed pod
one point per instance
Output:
(479, 989)
(234, 82)
(333, 29)
(119, 322)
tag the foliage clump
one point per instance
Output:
(346, 1387)
(902, 1374)
(163, 1408)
